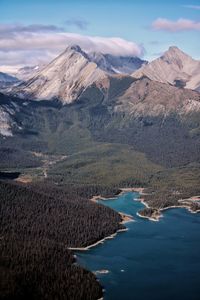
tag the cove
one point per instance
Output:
(152, 260)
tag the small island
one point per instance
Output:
(152, 214)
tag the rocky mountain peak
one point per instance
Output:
(74, 47)
(175, 56)
(65, 78)
(174, 67)
(174, 49)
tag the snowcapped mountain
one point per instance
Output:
(116, 64)
(173, 67)
(65, 78)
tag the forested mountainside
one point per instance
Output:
(159, 120)
(38, 224)
(137, 128)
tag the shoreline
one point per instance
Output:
(140, 190)
(181, 206)
(156, 219)
(122, 191)
(109, 237)
(98, 197)
(125, 218)
(149, 218)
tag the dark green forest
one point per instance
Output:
(37, 227)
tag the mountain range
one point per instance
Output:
(68, 75)
(73, 71)
(154, 90)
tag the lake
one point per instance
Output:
(152, 260)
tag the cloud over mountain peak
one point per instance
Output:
(36, 42)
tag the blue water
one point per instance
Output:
(152, 260)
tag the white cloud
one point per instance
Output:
(175, 26)
(26, 45)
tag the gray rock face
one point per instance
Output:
(68, 75)
(117, 64)
(145, 97)
(65, 78)
(173, 67)
(134, 99)
(8, 110)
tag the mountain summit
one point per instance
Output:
(69, 74)
(73, 71)
(65, 78)
(174, 67)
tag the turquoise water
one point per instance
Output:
(152, 260)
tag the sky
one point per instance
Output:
(35, 31)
